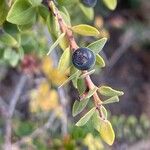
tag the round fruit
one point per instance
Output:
(89, 3)
(83, 58)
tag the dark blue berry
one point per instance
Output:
(89, 3)
(83, 58)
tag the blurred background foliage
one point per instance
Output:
(127, 59)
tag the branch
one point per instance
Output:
(73, 45)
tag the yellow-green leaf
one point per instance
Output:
(87, 73)
(100, 61)
(78, 106)
(108, 91)
(111, 4)
(86, 117)
(113, 99)
(85, 30)
(3, 11)
(106, 131)
(65, 60)
(98, 45)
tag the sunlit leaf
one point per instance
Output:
(98, 45)
(85, 30)
(78, 106)
(106, 131)
(111, 4)
(108, 91)
(86, 117)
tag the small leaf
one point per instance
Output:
(35, 2)
(104, 111)
(85, 30)
(87, 73)
(43, 11)
(90, 93)
(111, 4)
(21, 13)
(113, 99)
(108, 91)
(106, 131)
(56, 43)
(3, 11)
(78, 106)
(100, 61)
(87, 11)
(86, 117)
(81, 86)
(98, 45)
(70, 78)
(65, 61)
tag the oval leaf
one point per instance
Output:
(78, 106)
(113, 99)
(56, 43)
(85, 30)
(98, 45)
(108, 91)
(65, 60)
(21, 13)
(86, 117)
(111, 4)
(100, 61)
(106, 131)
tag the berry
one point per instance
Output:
(83, 58)
(89, 3)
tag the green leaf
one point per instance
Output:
(87, 73)
(54, 45)
(85, 30)
(86, 117)
(75, 80)
(111, 4)
(113, 99)
(78, 106)
(65, 60)
(35, 2)
(3, 11)
(66, 18)
(43, 11)
(69, 79)
(108, 91)
(100, 61)
(106, 131)
(104, 111)
(21, 13)
(98, 45)
(87, 11)
(90, 93)
(81, 86)
(7, 39)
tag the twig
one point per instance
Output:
(73, 45)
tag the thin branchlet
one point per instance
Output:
(73, 46)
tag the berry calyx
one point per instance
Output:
(83, 58)
(89, 3)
